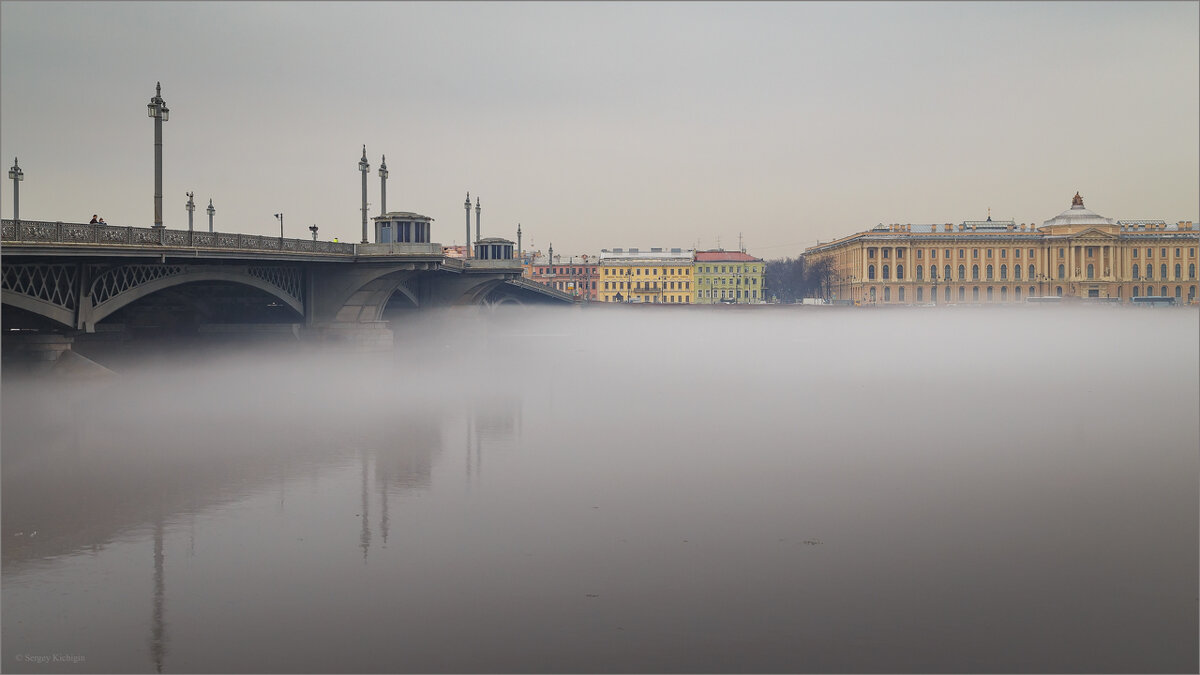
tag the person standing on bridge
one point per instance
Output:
(93, 220)
(102, 222)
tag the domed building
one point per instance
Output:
(1076, 254)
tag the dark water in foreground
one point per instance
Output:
(612, 490)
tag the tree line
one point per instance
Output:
(791, 279)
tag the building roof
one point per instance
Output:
(401, 215)
(725, 256)
(1078, 215)
(673, 254)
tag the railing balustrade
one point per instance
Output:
(46, 232)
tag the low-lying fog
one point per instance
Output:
(611, 489)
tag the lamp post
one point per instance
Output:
(382, 185)
(191, 208)
(280, 217)
(157, 108)
(313, 228)
(364, 167)
(211, 211)
(467, 206)
(17, 175)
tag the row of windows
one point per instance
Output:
(730, 294)
(1090, 252)
(725, 281)
(1163, 253)
(542, 271)
(637, 271)
(991, 294)
(666, 299)
(649, 286)
(1162, 271)
(720, 269)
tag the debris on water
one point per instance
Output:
(813, 542)
(593, 595)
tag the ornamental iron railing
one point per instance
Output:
(46, 232)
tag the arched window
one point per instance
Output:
(962, 273)
(872, 294)
(1032, 274)
(946, 276)
(920, 273)
(1136, 273)
(1016, 272)
(1179, 291)
(1178, 271)
(1058, 291)
(1135, 291)
(887, 272)
(1191, 292)
(1162, 271)
(1091, 271)
(974, 272)
(1192, 271)
(947, 294)
(1003, 272)
(975, 294)
(900, 293)
(1164, 292)
(1032, 291)
(990, 296)
(1017, 294)
(1004, 294)
(887, 293)
(870, 271)
(1062, 271)
(900, 271)
(962, 293)
(990, 274)
(920, 294)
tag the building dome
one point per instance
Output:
(1078, 215)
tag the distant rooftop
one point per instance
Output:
(725, 256)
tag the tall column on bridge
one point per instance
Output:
(157, 108)
(467, 206)
(364, 168)
(17, 175)
(211, 211)
(476, 219)
(191, 208)
(519, 250)
(383, 186)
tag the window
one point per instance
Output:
(1176, 253)
(1136, 272)
(1149, 253)
(1091, 271)
(1003, 253)
(920, 273)
(962, 253)
(887, 293)
(1162, 271)
(1135, 291)
(920, 294)
(870, 271)
(1091, 251)
(900, 271)
(1017, 294)
(962, 273)
(919, 254)
(886, 272)
(1031, 254)
(1192, 270)
(1017, 253)
(975, 253)
(989, 294)
(1178, 271)
(946, 276)
(887, 253)
(1178, 292)
(989, 253)
(1149, 270)
(1016, 272)
(947, 294)
(900, 293)
(1058, 291)
(975, 272)
(870, 253)
(1032, 274)
(947, 254)
(1135, 252)
(933, 254)
(962, 293)
(899, 253)
(1061, 252)
(1003, 272)
(1062, 270)
(975, 294)
(989, 272)
(1164, 254)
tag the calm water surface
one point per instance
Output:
(622, 490)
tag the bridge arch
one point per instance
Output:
(112, 302)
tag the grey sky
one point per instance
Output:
(605, 124)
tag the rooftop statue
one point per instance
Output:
(1077, 201)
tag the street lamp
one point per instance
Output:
(191, 207)
(363, 167)
(383, 174)
(17, 175)
(313, 228)
(280, 217)
(211, 211)
(157, 108)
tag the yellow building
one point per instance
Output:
(661, 276)
(732, 277)
(1078, 253)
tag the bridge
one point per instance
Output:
(77, 279)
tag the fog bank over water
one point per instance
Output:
(623, 489)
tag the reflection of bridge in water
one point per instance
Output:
(100, 481)
(76, 280)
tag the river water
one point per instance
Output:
(611, 489)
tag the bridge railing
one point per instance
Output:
(46, 232)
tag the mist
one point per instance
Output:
(621, 489)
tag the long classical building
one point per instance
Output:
(660, 276)
(1078, 253)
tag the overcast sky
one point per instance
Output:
(597, 125)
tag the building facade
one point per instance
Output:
(657, 276)
(1076, 254)
(732, 277)
(579, 279)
